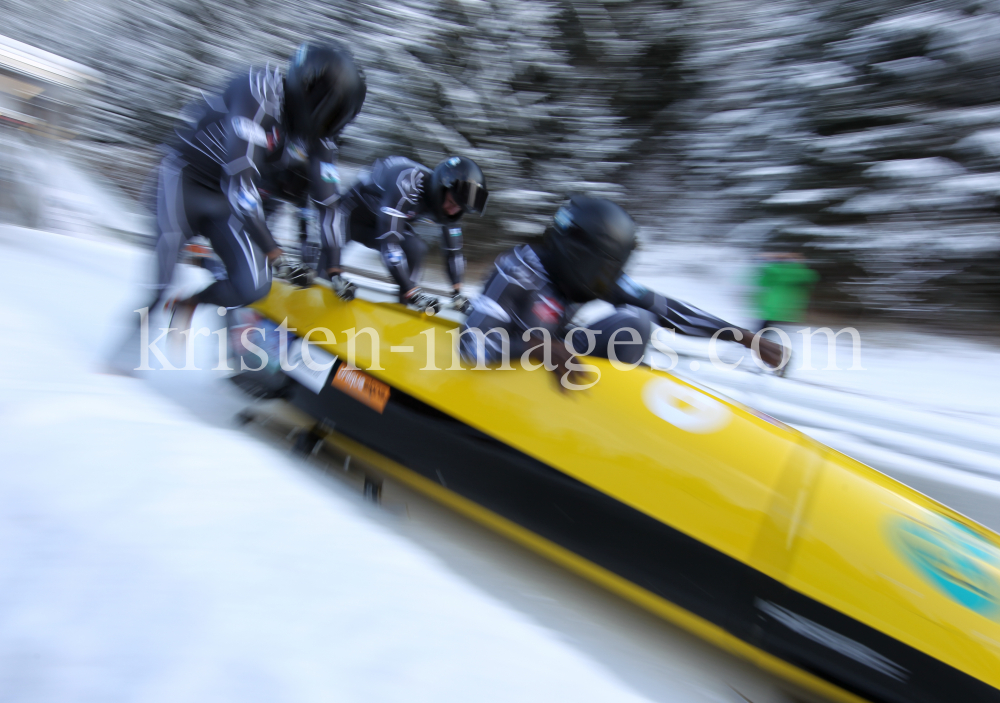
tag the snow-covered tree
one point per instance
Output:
(866, 132)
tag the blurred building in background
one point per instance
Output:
(40, 99)
(39, 91)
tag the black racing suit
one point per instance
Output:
(520, 296)
(379, 212)
(211, 179)
(304, 174)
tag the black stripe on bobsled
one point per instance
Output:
(660, 559)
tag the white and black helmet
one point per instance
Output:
(466, 182)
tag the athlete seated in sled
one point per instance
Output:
(581, 258)
(262, 130)
(379, 212)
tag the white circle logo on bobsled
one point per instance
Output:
(684, 407)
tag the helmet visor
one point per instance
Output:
(471, 196)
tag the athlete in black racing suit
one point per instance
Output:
(380, 209)
(308, 179)
(262, 130)
(540, 288)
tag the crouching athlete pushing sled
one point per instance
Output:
(262, 128)
(535, 291)
(379, 212)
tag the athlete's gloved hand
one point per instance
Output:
(344, 289)
(461, 303)
(296, 274)
(561, 356)
(771, 353)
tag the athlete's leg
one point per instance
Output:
(414, 249)
(248, 272)
(172, 221)
(309, 251)
(334, 233)
(402, 252)
(395, 260)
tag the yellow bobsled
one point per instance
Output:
(712, 515)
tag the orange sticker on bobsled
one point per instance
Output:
(362, 387)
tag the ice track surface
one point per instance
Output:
(154, 550)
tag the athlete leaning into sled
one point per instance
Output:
(263, 131)
(536, 290)
(380, 210)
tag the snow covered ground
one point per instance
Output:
(150, 556)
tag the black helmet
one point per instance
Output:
(466, 182)
(586, 247)
(324, 91)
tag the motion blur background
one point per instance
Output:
(864, 134)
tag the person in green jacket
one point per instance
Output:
(784, 284)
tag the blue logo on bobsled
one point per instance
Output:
(956, 560)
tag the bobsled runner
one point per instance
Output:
(712, 515)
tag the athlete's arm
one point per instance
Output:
(689, 320)
(244, 151)
(451, 245)
(511, 301)
(499, 312)
(324, 191)
(673, 314)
